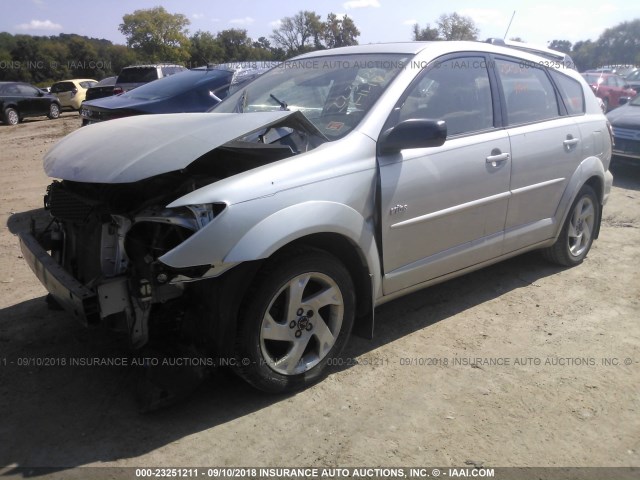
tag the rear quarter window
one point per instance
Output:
(570, 91)
(62, 87)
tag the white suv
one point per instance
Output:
(136, 75)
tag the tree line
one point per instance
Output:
(155, 35)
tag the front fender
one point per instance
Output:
(296, 221)
(218, 245)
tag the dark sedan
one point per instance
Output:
(194, 90)
(19, 100)
(626, 129)
(104, 88)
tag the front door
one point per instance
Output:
(444, 208)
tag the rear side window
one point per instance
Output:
(570, 91)
(138, 75)
(10, 90)
(62, 87)
(27, 91)
(528, 91)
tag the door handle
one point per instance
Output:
(570, 142)
(497, 158)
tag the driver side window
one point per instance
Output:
(456, 91)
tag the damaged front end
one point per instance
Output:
(104, 243)
(99, 255)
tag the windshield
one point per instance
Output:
(635, 101)
(177, 84)
(333, 92)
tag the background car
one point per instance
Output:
(71, 93)
(622, 69)
(104, 88)
(609, 87)
(136, 75)
(633, 79)
(194, 90)
(625, 122)
(19, 100)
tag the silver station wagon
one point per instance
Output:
(341, 179)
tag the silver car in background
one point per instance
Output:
(335, 182)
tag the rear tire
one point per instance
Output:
(298, 316)
(54, 111)
(578, 231)
(11, 117)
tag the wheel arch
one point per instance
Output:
(333, 227)
(590, 172)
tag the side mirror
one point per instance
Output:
(413, 133)
(623, 100)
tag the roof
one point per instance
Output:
(442, 47)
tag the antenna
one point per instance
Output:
(505, 33)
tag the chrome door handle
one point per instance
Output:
(500, 157)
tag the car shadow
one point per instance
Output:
(626, 173)
(94, 406)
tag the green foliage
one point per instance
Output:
(205, 49)
(44, 60)
(425, 34)
(157, 35)
(305, 32)
(561, 46)
(300, 33)
(339, 32)
(448, 27)
(457, 27)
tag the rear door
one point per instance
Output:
(444, 208)
(65, 91)
(33, 100)
(546, 148)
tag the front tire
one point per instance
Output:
(298, 315)
(578, 231)
(11, 117)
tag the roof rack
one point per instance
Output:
(545, 52)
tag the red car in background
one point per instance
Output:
(609, 87)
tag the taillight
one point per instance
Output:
(117, 90)
(610, 128)
(73, 92)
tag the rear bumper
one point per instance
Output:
(75, 298)
(626, 154)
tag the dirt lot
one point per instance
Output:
(566, 391)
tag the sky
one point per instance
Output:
(537, 22)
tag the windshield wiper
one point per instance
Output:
(283, 105)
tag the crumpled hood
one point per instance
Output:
(135, 148)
